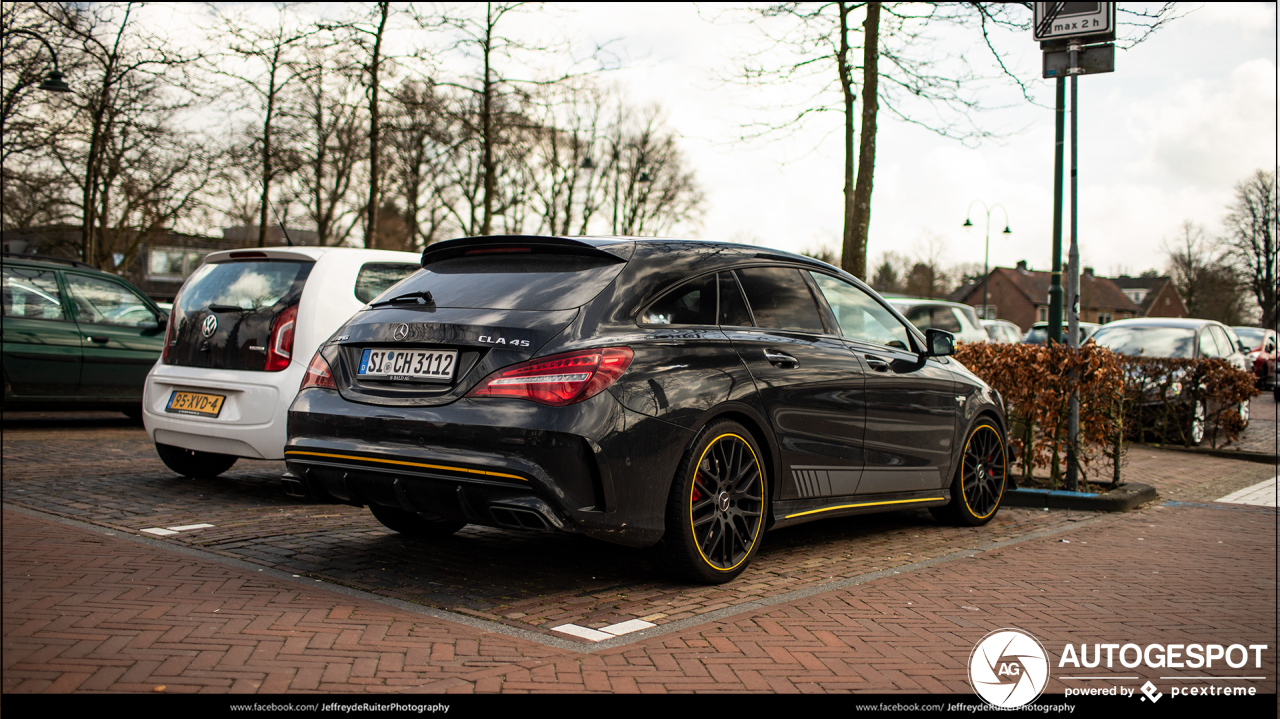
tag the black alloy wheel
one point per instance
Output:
(715, 514)
(412, 524)
(193, 463)
(980, 480)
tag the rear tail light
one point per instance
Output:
(318, 375)
(280, 344)
(558, 380)
(169, 325)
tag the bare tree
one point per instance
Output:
(902, 72)
(1251, 243)
(657, 190)
(419, 145)
(325, 119)
(270, 59)
(1208, 285)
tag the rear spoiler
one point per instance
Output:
(606, 249)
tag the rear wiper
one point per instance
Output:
(228, 308)
(422, 298)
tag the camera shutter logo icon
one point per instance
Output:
(1008, 668)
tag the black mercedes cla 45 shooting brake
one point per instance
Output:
(641, 391)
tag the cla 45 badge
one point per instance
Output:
(501, 341)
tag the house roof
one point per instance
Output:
(1095, 292)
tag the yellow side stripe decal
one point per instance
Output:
(865, 504)
(410, 464)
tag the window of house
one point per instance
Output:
(175, 263)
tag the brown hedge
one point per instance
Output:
(1120, 398)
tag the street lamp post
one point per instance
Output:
(53, 82)
(986, 253)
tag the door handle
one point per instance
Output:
(878, 364)
(99, 340)
(780, 359)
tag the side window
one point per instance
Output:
(780, 298)
(104, 302)
(1226, 345)
(378, 277)
(860, 317)
(733, 308)
(1208, 347)
(693, 303)
(32, 294)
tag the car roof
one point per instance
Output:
(1182, 322)
(51, 262)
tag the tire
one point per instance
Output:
(716, 509)
(980, 480)
(190, 463)
(412, 524)
(1196, 425)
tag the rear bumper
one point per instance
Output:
(593, 468)
(250, 424)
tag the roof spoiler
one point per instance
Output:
(613, 250)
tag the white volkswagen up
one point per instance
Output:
(242, 330)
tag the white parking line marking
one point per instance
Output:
(631, 625)
(159, 532)
(583, 632)
(1262, 494)
(189, 526)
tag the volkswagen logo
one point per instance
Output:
(401, 332)
(209, 326)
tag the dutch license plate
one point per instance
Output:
(201, 405)
(397, 364)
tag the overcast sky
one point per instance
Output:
(1187, 114)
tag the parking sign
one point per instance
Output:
(1058, 23)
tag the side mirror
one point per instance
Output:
(940, 343)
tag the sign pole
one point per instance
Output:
(1055, 277)
(1073, 279)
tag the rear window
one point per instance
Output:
(1148, 341)
(252, 286)
(513, 281)
(377, 277)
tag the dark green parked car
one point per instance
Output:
(75, 337)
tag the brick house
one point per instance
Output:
(1021, 296)
(1156, 296)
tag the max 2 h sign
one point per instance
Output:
(1058, 24)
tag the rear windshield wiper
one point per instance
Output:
(421, 298)
(228, 308)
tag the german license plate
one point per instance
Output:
(398, 364)
(195, 403)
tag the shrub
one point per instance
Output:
(1147, 399)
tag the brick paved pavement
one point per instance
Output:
(76, 615)
(84, 611)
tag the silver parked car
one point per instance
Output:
(960, 320)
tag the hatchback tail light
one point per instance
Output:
(558, 380)
(318, 375)
(169, 325)
(280, 344)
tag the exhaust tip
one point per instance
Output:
(512, 518)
